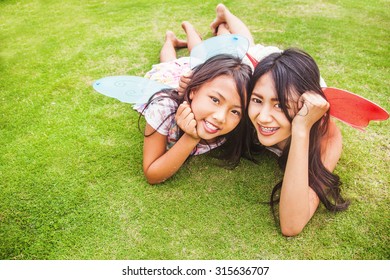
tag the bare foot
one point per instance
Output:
(193, 36)
(177, 43)
(186, 25)
(189, 29)
(220, 18)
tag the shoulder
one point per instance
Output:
(160, 112)
(162, 102)
(331, 146)
(334, 134)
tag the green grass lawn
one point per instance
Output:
(71, 160)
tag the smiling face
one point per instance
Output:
(272, 125)
(217, 107)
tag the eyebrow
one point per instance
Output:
(260, 96)
(224, 99)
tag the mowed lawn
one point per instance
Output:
(71, 159)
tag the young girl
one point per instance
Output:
(210, 114)
(289, 113)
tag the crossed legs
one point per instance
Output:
(229, 23)
(224, 23)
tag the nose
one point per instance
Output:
(265, 115)
(220, 115)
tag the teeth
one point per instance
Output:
(209, 125)
(268, 129)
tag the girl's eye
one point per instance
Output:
(237, 113)
(256, 100)
(215, 100)
(279, 106)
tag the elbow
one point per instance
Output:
(153, 178)
(156, 174)
(291, 231)
(152, 182)
(293, 225)
(150, 176)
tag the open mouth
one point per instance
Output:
(267, 130)
(210, 128)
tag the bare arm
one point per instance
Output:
(298, 202)
(160, 164)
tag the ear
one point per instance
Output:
(192, 93)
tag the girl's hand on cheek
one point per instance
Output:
(185, 119)
(311, 107)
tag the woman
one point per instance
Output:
(289, 114)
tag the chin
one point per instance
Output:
(266, 142)
(206, 136)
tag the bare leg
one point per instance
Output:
(223, 29)
(193, 37)
(234, 24)
(168, 50)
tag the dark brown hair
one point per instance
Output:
(295, 72)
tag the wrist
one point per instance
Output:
(191, 139)
(299, 130)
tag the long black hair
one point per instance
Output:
(212, 68)
(295, 72)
